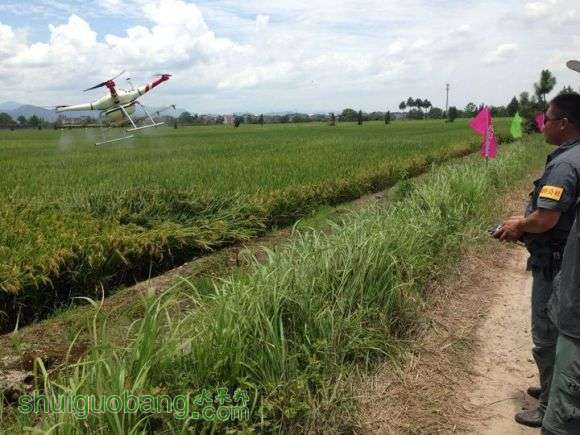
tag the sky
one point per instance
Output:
(286, 55)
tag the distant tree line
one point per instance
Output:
(35, 122)
(527, 104)
(420, 109)
(347, 115)
(187, 118)
(416, 106)
(7, 122)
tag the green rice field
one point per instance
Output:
(76, 218)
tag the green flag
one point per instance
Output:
(516, 129)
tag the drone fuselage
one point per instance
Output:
(106, 102)
(116, 116)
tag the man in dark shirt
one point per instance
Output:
(563, 412)
(544, 229)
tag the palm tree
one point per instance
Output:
(545, 85)
(402, 106)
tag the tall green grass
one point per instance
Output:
(294, 330)
(75, 219)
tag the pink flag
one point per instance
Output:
(541, 121)
(481, 121)
(483, 125)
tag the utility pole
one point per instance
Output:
(447, 99)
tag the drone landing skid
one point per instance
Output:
(157, 124)
(115, 140)
(151, 124)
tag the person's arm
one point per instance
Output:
(540, 221)
(556, 195)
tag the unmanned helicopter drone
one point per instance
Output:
(119, 106)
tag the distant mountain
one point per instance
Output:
(9, 105)
(27, 110)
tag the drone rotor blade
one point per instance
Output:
(100, 85)
(118, 75)
(574, 65)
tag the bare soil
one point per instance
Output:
(503, 365)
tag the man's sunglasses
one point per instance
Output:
(547, 118)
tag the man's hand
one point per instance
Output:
(511, 229)
(540, 221)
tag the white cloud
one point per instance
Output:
(553, 13)
(74, 37)
(178, 39)
(421, 43)
(180, 35)
(539, 9)
(397, 46)
(115, 6)
(464, 28)
(7, 41)
(253, 75)
(558, 60)
(501, 53)
(262, 22)
(70, 42)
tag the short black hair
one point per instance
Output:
(568, 106)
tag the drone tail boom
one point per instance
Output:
(86, 106)
(144, 89)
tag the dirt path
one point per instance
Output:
(504, 366)
(469, 368)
